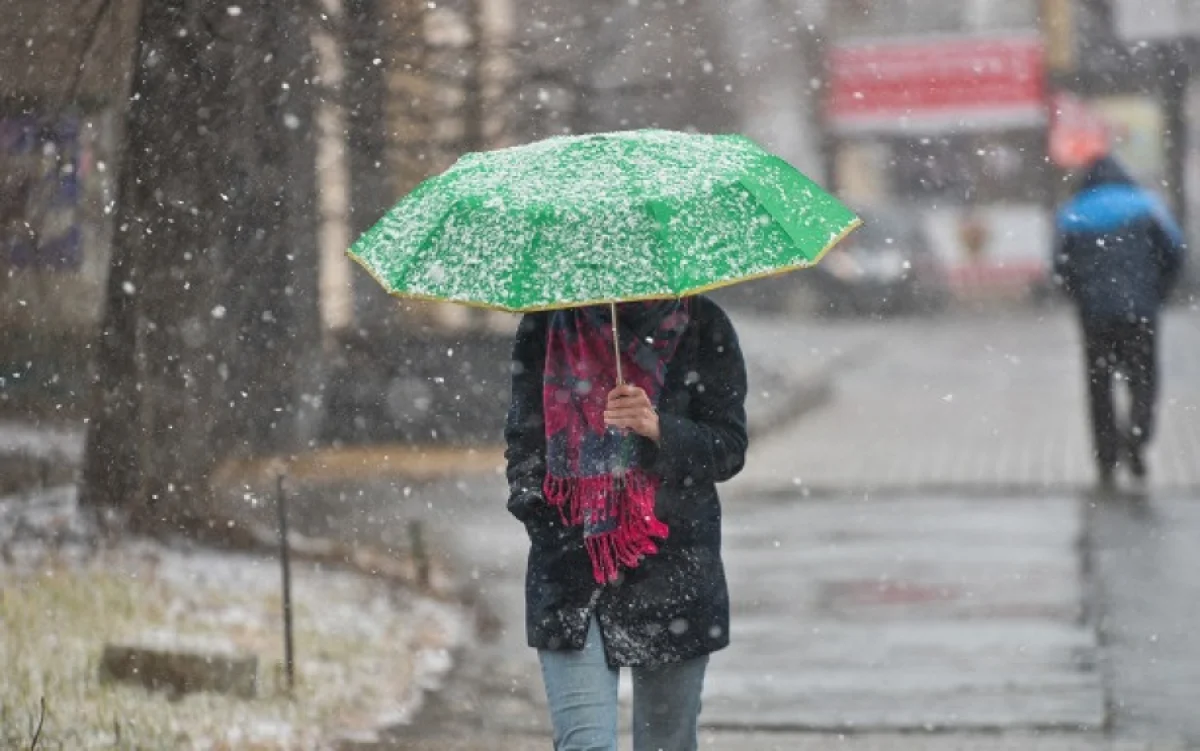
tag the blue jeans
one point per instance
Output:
(582, 692)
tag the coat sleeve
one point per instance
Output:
(524, 433)
(708, 445)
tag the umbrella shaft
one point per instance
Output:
(623, 459)
(617, 344)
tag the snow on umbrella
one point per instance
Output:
(582, 220)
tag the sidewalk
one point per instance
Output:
(740, 741)
(883, 620)
(925, 742)
(990, 403)
(906, 614)
(793, 365)
(856, 611)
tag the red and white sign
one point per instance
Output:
(951, 84)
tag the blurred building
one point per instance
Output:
(948, 111)
(939, 110)
(64, 69)
(1135, 70)
(1129, 64)
(464, 75)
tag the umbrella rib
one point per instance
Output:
(782, 258)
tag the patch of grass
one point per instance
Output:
(353, 648)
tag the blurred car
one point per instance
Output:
(884, 267)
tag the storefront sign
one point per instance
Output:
(954, 84)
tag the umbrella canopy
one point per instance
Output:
(581, 220)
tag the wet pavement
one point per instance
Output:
(912, 615)
(789, 741)
(1145, 558)
(980, 598)
(977, 599)
(906, 614)
(993, 409)
(970, 402)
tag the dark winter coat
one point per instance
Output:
(1119, 251)
(674, 606)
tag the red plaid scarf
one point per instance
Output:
(593, 477)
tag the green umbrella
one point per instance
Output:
(581, 220)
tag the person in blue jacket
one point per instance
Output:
(1118, 255)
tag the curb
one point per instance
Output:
(418, 463)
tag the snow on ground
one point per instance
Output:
(39, 441)
(365, 648)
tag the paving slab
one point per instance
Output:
(906, 614)
(975, 402)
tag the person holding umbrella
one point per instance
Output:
(616, 485)
(628, 385)
(1119, 254)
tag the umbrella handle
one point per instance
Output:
(617, 344)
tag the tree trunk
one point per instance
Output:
(211, 334)
(367, 57)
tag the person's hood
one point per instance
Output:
(1106, 171)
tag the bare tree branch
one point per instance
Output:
(37, 734)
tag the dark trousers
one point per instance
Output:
(1128, 348)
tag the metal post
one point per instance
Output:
(420, 555)
(286, 565)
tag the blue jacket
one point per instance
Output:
(1119, 252)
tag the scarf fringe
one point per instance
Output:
(590, 498)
